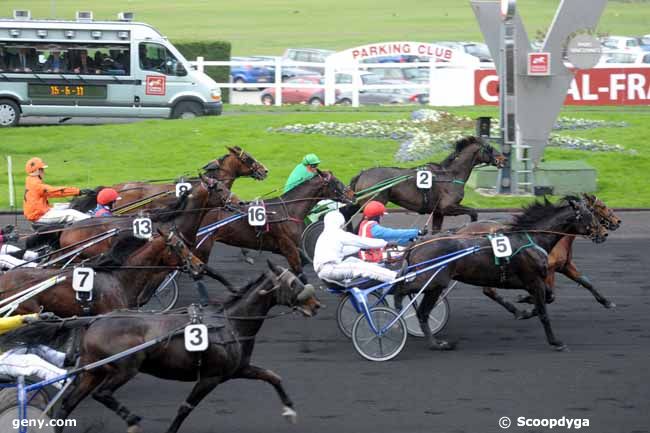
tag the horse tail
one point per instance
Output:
(50, 333)
(355, 179)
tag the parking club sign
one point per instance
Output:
(539, 63)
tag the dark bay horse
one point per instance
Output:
(232, 331)
(532, 234)
(285, 220)
(236, 163)
(448, 189)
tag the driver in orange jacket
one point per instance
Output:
(36, 206)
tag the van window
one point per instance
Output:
(65, 58)
(157, 58)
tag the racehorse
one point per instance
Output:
(448, 189)
(236, 163)
(285, 221)
(537, 230)
(232, 331)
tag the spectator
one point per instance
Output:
(24, 60)
(54, 63)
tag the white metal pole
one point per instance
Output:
(12, 193)
(432, 66)
(356, 83)
(199, 63)
(278, 81)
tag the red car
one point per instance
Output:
(299, 95)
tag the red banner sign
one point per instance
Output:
(602, 86)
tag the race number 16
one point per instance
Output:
(501, 246)
(424, 179)
(142, 228)
(196, 338)
(256, 215)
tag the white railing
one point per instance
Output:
(443, 79)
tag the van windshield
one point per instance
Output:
(65, 58)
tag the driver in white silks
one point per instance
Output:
(335, 244)
(10, 255)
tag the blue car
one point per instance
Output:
(251, 73)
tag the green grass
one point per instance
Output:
(270, 26)
(87, 156)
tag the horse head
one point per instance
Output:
(585, 222)
(290, 291)
(183, 254)
(249, 166)
(605, 214)
(489, 155)
(335, 189)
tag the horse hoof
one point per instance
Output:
(249, 260)
(442, 345)
(290, 415)
(523, 315)
(525, 300)
(135, 428)
(609, 304)
(560, 347)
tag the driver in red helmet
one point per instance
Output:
(370, 227)
(105, 201)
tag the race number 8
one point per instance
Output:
(256, 215)
(196, 338)
(424, 179)
(83, 279)
(142, 228)
(182, 188)
(501, 246)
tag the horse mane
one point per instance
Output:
(296, 189)
(537, 211)
(169, 213)
(243, 291)
(119, 252)
(459, 146)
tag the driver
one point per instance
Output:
(304, 171)
(106, 200)
(12, 256)
(36, 206)
(334, 244)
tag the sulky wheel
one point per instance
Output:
(309, 238)
(438, 317)
(380, 346)
(164, 298)
(346, 314)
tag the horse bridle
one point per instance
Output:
(328, 181)
(282, 287)
(179, 246)
(580, 208)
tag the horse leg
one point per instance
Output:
(491, 293)
(540, 308)
(202, 388)
(550, 295)
(436, 222)
(289, 250)
(424, 309)
(104, 395)
(572, 272)
(459, 209)
(87, 383)
(257, 373)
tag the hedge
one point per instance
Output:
(214, 50)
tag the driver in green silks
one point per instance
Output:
(304, 171)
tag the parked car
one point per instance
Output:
(288, 72)
(476, 49)
(414, 74)
(404, 58)
(644, 42)
(634, 58)
(297, 95)
(250, 73)
(386, 96)
(621, 43)
(310, 55)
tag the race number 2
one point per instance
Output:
(256, 215)
(501, 246)
(182, 188)
(424, 179)
(83, 279)
(196, 338)
(142, 228)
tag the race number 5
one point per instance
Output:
(182, 188)
(196, 338)
(501, 246)
(142, 228)
(256, 215)
(83, 279)
(424, 179)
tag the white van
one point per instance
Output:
(96, 69)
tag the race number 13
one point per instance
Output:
(424, 179)
(256, 215)
(501, 246)
(142, 228)
(196, 338)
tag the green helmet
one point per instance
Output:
(311, 159)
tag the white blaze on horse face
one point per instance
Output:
(424, 179)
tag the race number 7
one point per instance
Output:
(196, 338)
(424, 179)
(501, 246)
(142, 228)
(256, 215)
(83, 279)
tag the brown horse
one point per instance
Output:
(448, 187)
(285, 221)
(232, 331)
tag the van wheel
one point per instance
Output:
(267, 100)
(316, 102)
(239, 81)
(9, 113)
(187, 110)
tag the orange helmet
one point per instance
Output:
(34, 164)
(107, 196)
(374, 209)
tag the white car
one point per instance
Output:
(630, 58)
(621, 43)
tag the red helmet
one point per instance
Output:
(107, 196)
(374, 209)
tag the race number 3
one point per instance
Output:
(501, 246)
(142, 228)
(83, 279)
(196, 338)
(424, 179)
(182, 188)
(256, 215)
